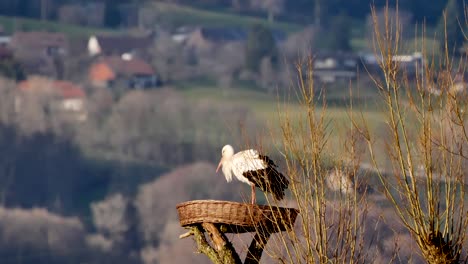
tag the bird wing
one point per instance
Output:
(248, 160)
(260, 170)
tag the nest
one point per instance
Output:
(234, 217)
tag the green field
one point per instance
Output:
(267, 108)
(178, 15)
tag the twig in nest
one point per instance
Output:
(185, 235)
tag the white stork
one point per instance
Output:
(254, 169)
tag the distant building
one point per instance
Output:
(410, 64)
(332, 67)
(67, 98)
(5, 53)
(459, 83)
(181, 34)
(133, 73)
(5, 39)
(119, 45)
(206, 38)
(40, 53)
(40, 43)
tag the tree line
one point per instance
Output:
(300, 11)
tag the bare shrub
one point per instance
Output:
(143, 114)
(100, 242)
(7, 101)
(109, 216)
(397, 19)
(72, 14)
(428, 181)
(173, 61)
(225, 64)
(165, 128)
(273, 7)
(299, 44)
(45, 231)
(34, 106)
(330, 226)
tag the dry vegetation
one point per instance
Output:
(417, 213)
(408, 205)
(427, 186)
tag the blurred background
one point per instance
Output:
(114, 111)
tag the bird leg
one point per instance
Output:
(253, 194)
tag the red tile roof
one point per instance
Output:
(101, 72)
(128, 67)
(108, 68)
(123, 44)
(66, 89)
(69, 89)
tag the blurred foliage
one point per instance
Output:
(12, 69)
(448, 27)
(260, 44)
(336, 35)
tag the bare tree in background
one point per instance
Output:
(299, 44)
(45, 231)
(379, 16)
(426, 148)
(225, 64)
(7, 101)
(273, 7)
(239, 5)
(34, 106)
(171, 59)
(166, 56)
(268, 75)
(109, 217)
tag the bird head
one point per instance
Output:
(226, 153)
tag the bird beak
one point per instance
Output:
(219, 165)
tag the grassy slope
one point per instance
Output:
(27, 24)
(178, 15)
(265, 107)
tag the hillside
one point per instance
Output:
(26, 24)
(177, 15)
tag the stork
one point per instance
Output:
(256, 170)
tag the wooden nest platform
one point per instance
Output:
(233, 217)
(219, 217)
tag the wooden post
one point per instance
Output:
(217, 218)
(223, 252)
(223, 246)
(256, 247)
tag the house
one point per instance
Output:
(5, 39)
(47, 44)
(181, 34)
(40, 53)
(332, 67)
(409, 64)
(5, 53)
(132, 72)
(459, 83)
(206, 38)
(66, 98)
(119, 45)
